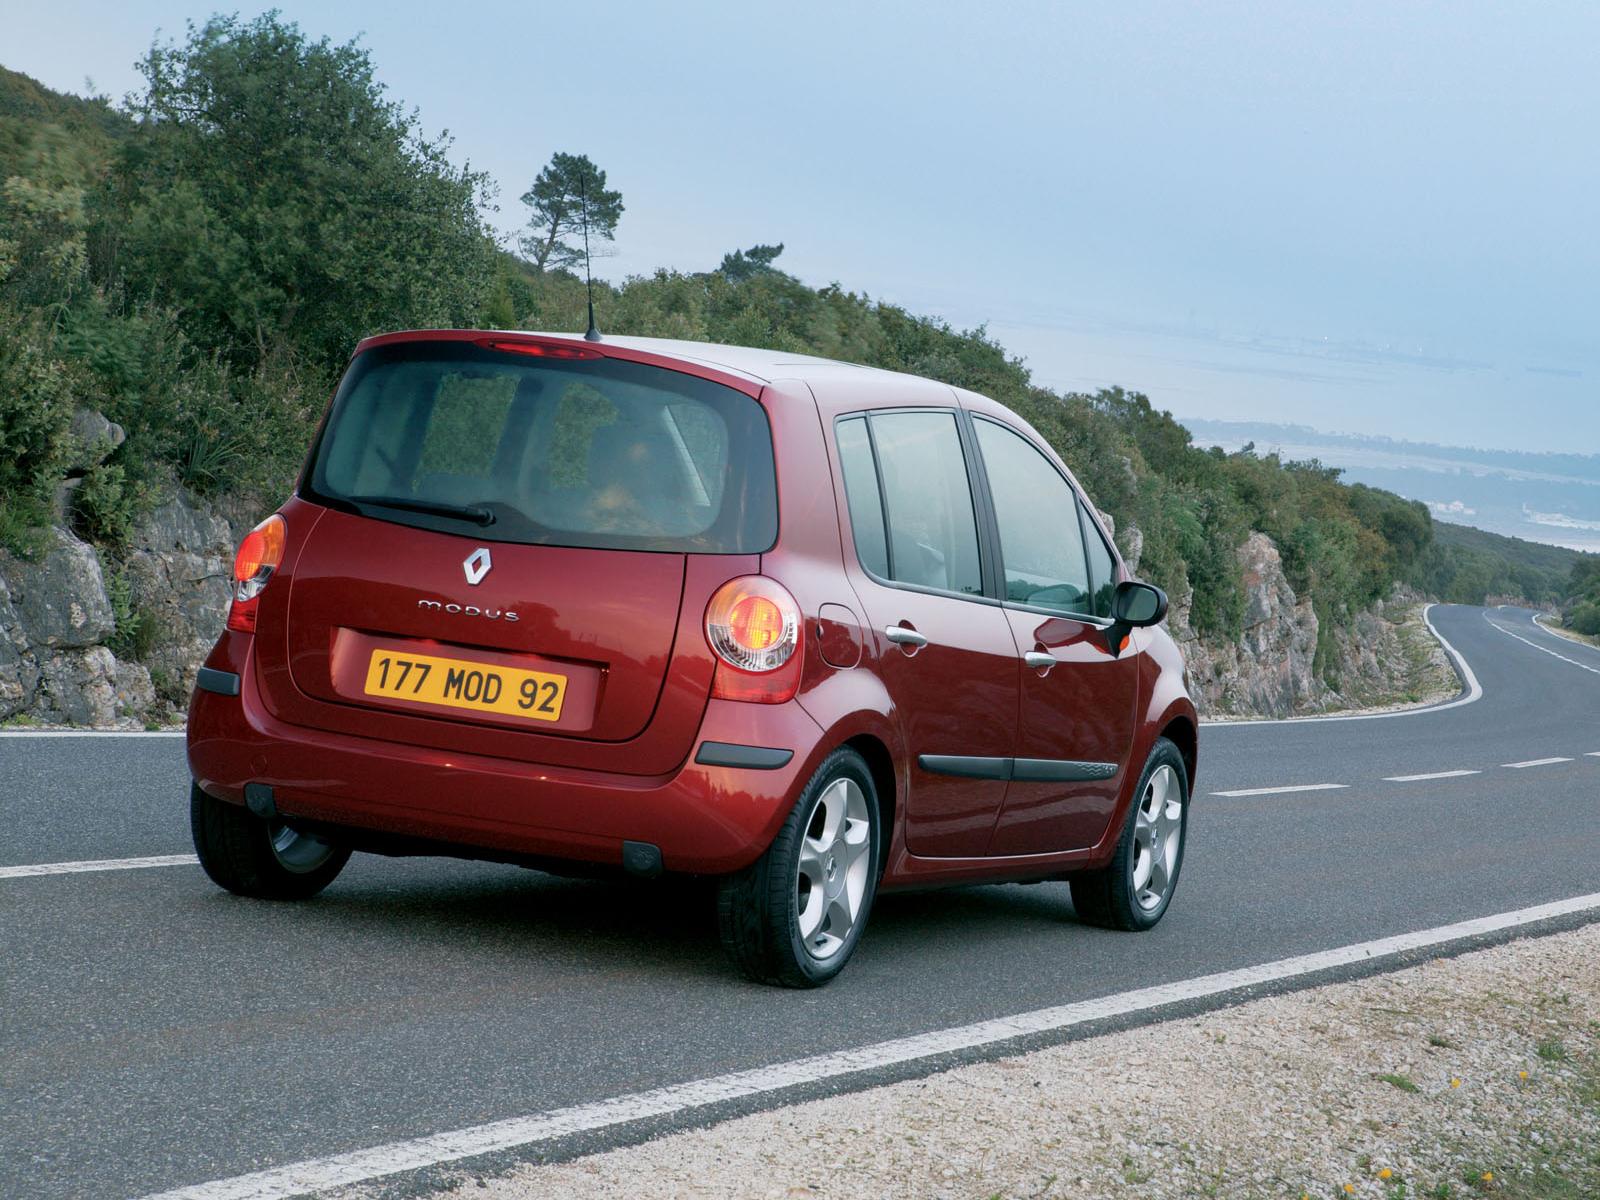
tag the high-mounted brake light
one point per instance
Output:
(753, 626)
(541, 349)
(259, 556)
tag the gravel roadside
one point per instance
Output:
(1463, 1077)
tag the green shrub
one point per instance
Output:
(136, 629)
(36, 407)
(105, 505)
(1585, 619)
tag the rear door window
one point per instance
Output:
(1036, 511)
(864, 496)
(933, 534)
(510, 447)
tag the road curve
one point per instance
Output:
(156, 1032)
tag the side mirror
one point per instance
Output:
(1134, 604)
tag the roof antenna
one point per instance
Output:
(592, 334)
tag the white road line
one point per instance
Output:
(1274, 791)
(98, 864)
(1474, 692)
(91, 733)
(1582, 666)
(1592, 754)
(1430, 775)
(1535, 762)
(1571, 639)
(320, 1174)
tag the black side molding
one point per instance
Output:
(1029, 770)
(731, 754)
(965, 766)
(1060, 770)
(223, 683)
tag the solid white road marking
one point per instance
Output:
(1275, 791)
(1582, 666)
(91, 733)
(1571, 639)
(1430, 775)
(320, 1174)
(98, 864)
(1474, 692)
(1535, 762)
(1592, 754)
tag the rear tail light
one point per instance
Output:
(753, 626)
(258, 557)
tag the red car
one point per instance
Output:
(814, 629)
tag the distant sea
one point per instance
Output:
(1400, 417)
(1541, 498)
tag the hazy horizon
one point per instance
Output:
(1363, 219)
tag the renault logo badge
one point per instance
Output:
(477, 565)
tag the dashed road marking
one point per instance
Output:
(98, 864)
(1429, 775)
(317, 1175)
(1274, 791)
(1535, 762)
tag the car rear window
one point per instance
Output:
(596, 452)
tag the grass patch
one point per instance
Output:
(1404, 1082)
(1551, 1050)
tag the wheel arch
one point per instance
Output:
(1182, 732)
(880, 763)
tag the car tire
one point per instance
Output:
(250, 856)
(1134, 890)
(794, 916)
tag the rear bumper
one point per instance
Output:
(707, 819)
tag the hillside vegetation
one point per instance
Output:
(198, 265)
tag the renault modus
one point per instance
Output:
(812, 629)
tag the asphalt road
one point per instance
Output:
(155, 1031)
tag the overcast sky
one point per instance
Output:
(1369, 217)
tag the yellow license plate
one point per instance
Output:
(455, 683)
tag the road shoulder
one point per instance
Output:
(1479, 1074)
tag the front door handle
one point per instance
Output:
(1041, 659)
(901, 636)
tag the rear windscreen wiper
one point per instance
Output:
(475, 513)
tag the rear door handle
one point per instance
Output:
(1039, 658)
(901, 636)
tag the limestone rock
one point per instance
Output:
(180, 572)
(93, 438)
(60, 601)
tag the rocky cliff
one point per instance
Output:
(114, 640)
(1385, 657)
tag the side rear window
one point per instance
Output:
(1036, 510)
(594, 452)
(863, 494)
(933, 534)
(1102, 567)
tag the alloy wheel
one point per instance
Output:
(833, 868)
(1157, 838)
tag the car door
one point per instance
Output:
(1076, 722)
(944, 646)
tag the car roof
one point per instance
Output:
(751, 362)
